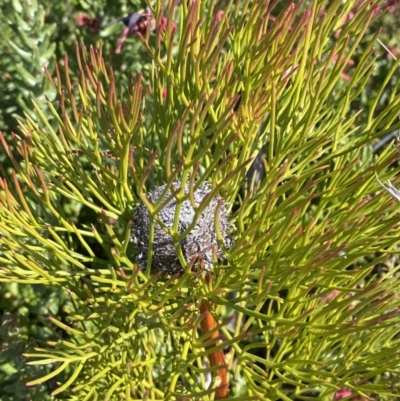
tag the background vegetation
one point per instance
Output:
(307, 300)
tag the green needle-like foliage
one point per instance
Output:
(301, 310)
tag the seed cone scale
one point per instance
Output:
(200, 243)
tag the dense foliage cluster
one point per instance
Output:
(305, 297)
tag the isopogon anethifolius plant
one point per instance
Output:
(291, 307)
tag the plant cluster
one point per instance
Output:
(300, 310)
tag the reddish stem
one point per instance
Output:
(208, 325)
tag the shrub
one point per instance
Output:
(296, 308)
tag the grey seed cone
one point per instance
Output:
(201, 241)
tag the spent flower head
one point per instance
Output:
(198, 221)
